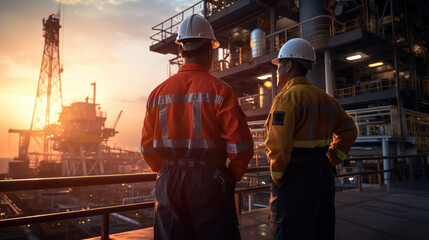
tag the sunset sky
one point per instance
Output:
(103, 41)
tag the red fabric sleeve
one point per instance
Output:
(152, 158)
(236, 132)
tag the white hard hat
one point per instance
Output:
(297, 48)
(196, 29)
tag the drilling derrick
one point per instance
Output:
(49, 97)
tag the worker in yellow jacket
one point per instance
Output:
(308, 132)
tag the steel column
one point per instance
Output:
(328, 78)
(105, 226)
(386, 162)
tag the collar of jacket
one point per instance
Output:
(192, 67)
(295, 81)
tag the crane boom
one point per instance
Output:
(117, 120)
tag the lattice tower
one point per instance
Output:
(49, 96)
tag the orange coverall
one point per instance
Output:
(193, 124)
(195, 115)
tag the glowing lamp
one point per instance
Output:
(354, 57)
(263, 77)
(376, 64)
(268, 84)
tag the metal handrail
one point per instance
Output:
(363, 88)
(304, 22)
(73, 214)
(370, 86)
(59, 182)
(169, 30)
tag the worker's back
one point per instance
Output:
(194, 115)
(306, 118)
(316, 113)
(192, 123)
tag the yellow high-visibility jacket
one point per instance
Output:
(304, 116)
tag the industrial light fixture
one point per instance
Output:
(263, 77)
(355, 56)
(268, 84)
(376, 64)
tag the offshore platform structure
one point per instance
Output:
(372, 56)
(66, 140)
(81, 138)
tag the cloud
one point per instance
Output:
(138, 100)
(15, 74)
(134, 19)
(100, 4)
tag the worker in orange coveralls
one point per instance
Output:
(193, 123)
(308, 132)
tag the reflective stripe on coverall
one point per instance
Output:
(193, 118)
(303, 122)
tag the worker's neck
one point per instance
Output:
(197, 60)
(294, 75)
(193, 60)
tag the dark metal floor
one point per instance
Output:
(401, 213)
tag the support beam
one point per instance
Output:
(250, 201)
(274, 83)
(328, 78)
(272, 41)
(386, 162)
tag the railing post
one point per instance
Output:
(360, 182)
(205, 8)
(105, 226)
(411, 170)
(380, 184)
(238, 203)
(171, 27)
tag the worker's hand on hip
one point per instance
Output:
(277, 182)
(226, 179)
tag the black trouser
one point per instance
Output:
(190, 203)
(302, 206)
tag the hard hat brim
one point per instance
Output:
(276, 61)
(214, 42)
